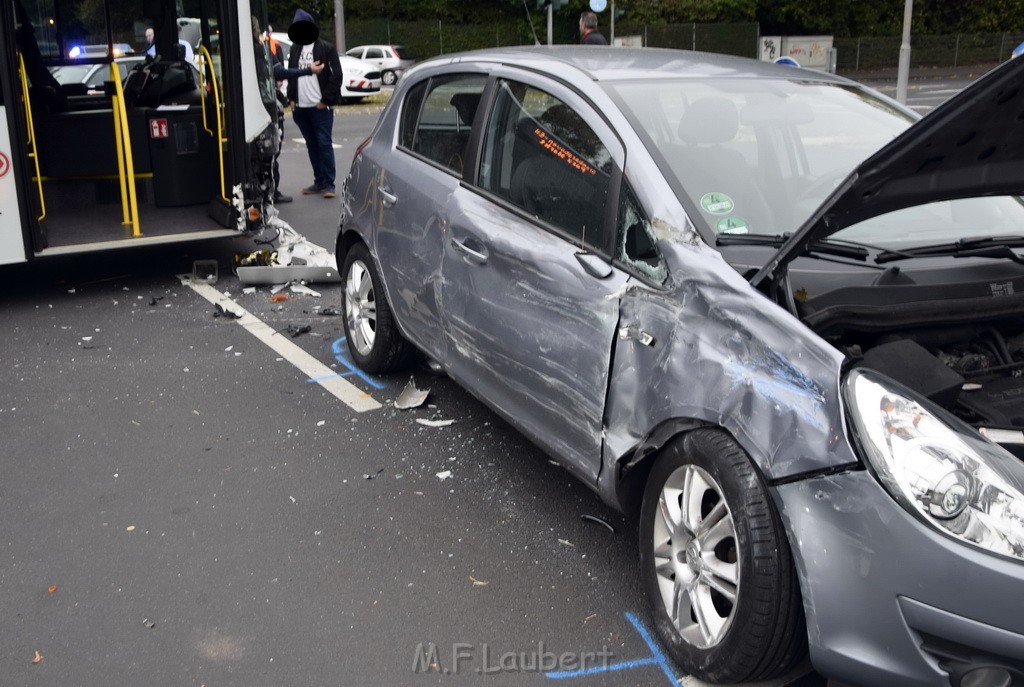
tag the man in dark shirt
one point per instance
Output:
(313, 97)
(589, 35)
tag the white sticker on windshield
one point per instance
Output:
(732, 225)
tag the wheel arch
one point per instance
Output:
(632, 470)
(344, 243)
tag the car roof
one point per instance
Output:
(608, 63)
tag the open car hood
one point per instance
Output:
(972, 145)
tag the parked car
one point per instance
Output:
(359, 78)
(392, 60)
(92, 76)
(82, 51)
(756, 305)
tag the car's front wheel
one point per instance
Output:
(716, 564)
(388, 78)
(373, 338)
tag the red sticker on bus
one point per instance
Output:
(5, 165)
(158, 128)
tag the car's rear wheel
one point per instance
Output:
(716, 564)
(373, 338)
(388, 78)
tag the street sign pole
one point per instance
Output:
(551, 12)
(903, 72)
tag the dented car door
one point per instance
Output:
(529, 291)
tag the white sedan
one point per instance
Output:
(359, 78)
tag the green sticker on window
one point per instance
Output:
(732, 225)
(717, 203)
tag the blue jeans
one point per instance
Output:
(316, 126)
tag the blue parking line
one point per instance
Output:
(340, 350)
(656, 658)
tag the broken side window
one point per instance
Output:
(637, 249)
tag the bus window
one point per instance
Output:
(135, 126)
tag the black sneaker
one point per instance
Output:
(281, 198)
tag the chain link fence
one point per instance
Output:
(428, 38)
(953, 50)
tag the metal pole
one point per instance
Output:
(611, 41)
(903, 73)
(551, 12)
(440, 35)
(339, 26)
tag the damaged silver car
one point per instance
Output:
(758, 306)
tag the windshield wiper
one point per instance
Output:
(823, 246)
(983, 247)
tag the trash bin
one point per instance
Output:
(183, 157)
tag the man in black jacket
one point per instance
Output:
(313, 98)
(589, 35)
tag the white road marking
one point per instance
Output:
(303, 142)
(352, 396)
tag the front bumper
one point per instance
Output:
(888, 600)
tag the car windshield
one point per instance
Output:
(758, 156)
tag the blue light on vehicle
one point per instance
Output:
(75, 51)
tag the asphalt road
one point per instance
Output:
(183, 505)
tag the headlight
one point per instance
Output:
(937, 467)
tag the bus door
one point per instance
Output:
(128, 121)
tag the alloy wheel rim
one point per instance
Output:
(696, 557)
(360, 307)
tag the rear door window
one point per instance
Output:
(441, 131)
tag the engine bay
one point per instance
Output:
(977, 373)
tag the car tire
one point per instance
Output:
(388, 78)
(373, 338)
(690, 556)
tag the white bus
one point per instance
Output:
(108, 140)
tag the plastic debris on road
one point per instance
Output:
(297, 259)
(146, 622)
(444, 474)
(204, 271)
(305, 290)
(478, 583)
(411, 397)
(228, 312)
(37, 659)
(434, 423)
(295, 330)
(599, 521)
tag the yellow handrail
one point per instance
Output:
(220, 125)
(34, 154)
(125, 165)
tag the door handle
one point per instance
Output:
(478, 257)
(386, 196)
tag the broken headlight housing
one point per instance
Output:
(937, 467)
